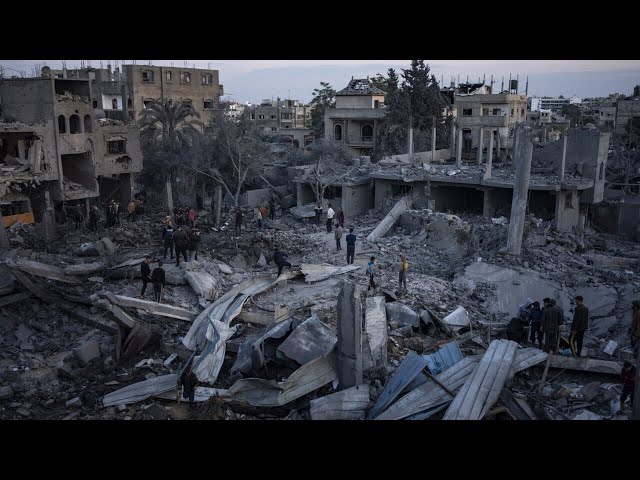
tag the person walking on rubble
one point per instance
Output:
(78, 217)
(551, 321)
(167, 238)
(145, 273)
(318, 211)
(579, 326)
(338, 236)
(371, 270)
(159, 281)
(330, 214)
(535, 314)
(404, 267)
(628, 380)
(192, 217)
(351, 246)
(341, 217)
(181, 245)
(238, 220)
(279, 259)
(189, 382)
(272, 209)
(131, 208)
(634, 330)
(94, 214)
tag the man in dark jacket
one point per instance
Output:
(351, 246)
(579, 326)
(189, 381)
(551, 321)
(158, 279)
(181, 245)
(194, 240)
(535, 314)
(145, 273)
(272, 209)
(318, 212)
(167, 237)
(93, 218)
(279, 259)
(516, 330)
(238, 220)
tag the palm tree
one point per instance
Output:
(167, 126)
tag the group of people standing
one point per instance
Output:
(182, 240)
(185, 216)
(331, 214)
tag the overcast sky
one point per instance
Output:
(253, 80)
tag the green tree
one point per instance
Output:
(572, 112)
(323, 98)
(381, 82)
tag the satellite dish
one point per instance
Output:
(46, 72)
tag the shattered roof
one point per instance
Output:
(361, 86)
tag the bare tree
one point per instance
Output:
(623, 169)
(329, 163)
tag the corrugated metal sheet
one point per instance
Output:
(482, 389)
(429, 397)
(525, 358)
(141, 391)
(349, 404)
(411, 366)
(316, 273)
(448, 355)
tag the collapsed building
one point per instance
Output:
(55, 144)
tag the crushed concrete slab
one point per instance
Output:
(312, 339)
(204, 284)
(402, 315)
(42, 270)
(224, 268)
(84, 268)
(376, 329)
(155, 308)
(610, 347)
(74, 402)
(586, 415)
(6, 392)
(457, 319)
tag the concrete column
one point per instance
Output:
(498, 146)
(487, 206)
(564, 159)
(346, 132)
(453, 140)
(21, 150)
(559, 209)
(581, 222)
(459, 150)
(410, 141)
(433, 144)
(86, 208)
(4, 238)
(349, 345)
(218, 204)
(480, 146)
(523, 151)
(49, 223)
(169, 198)
(487, 171)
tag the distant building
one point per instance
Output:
(233, 110)
(627, 110)
(555, 104)
(357, 116)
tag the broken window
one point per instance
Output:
(207, 79)
(208, 104)
(260, 117)
(337, 132)
(496, 111)
(274, 129)
(147, 76)
(62, 126)
(274, 117)
(94, 103)
(512, 110)
(367, 133)
(253, 116)
(146, 103)
(168, 75)
(522, 111)
(116, 146)
(114, 103)
(467, 112)
(87, 124)
(376, 104)
(601, 175)
(74, 124)
(485, 111)
(187, 103)
(185, 77)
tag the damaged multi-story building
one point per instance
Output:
(55, 144)
(290, 119)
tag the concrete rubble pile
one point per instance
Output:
(313, 343)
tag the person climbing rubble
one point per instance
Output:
(579, 326)
(628, 380)
(131, 208)
(145, 273)
(404, 268)
(371, 271)
(279, 259)
(192, 217)
(330, 214)
(351, 246)
(94, 216)
(159, 281)
(259, 217)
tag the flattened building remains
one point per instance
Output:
(57, 147)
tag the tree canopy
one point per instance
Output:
(323, 98)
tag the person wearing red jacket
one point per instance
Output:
(628, 379)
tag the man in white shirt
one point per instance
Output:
(330, 215)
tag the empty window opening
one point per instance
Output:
(496, 111)
(94, 103)
(568, 203)
(274, 129)
(512, 110)
(146, 103)
(207, 79)
(337, 132)
(260, 117)
(78, 168)
(274, 117)
(87, 124)
(208, 104)
(187, 103)
(62, 125)
(367, 133)
(485, 111)
(185, 77)
(147, 76)
(114, 103)
(168, 75)
(376, 104)
(74, 124)
(467, 112)
(116, 146)
(129, 103)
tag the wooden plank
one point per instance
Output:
(16, 297)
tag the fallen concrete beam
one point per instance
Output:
(586, 364)
(154, 308)
(121, 317)
(260, 317)
(84, 268)
(317, 273)
(43, 270)
(376, 329)
(16, 297)
(349, 404)
(204, 284)
(387, 222)
(349, 346)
